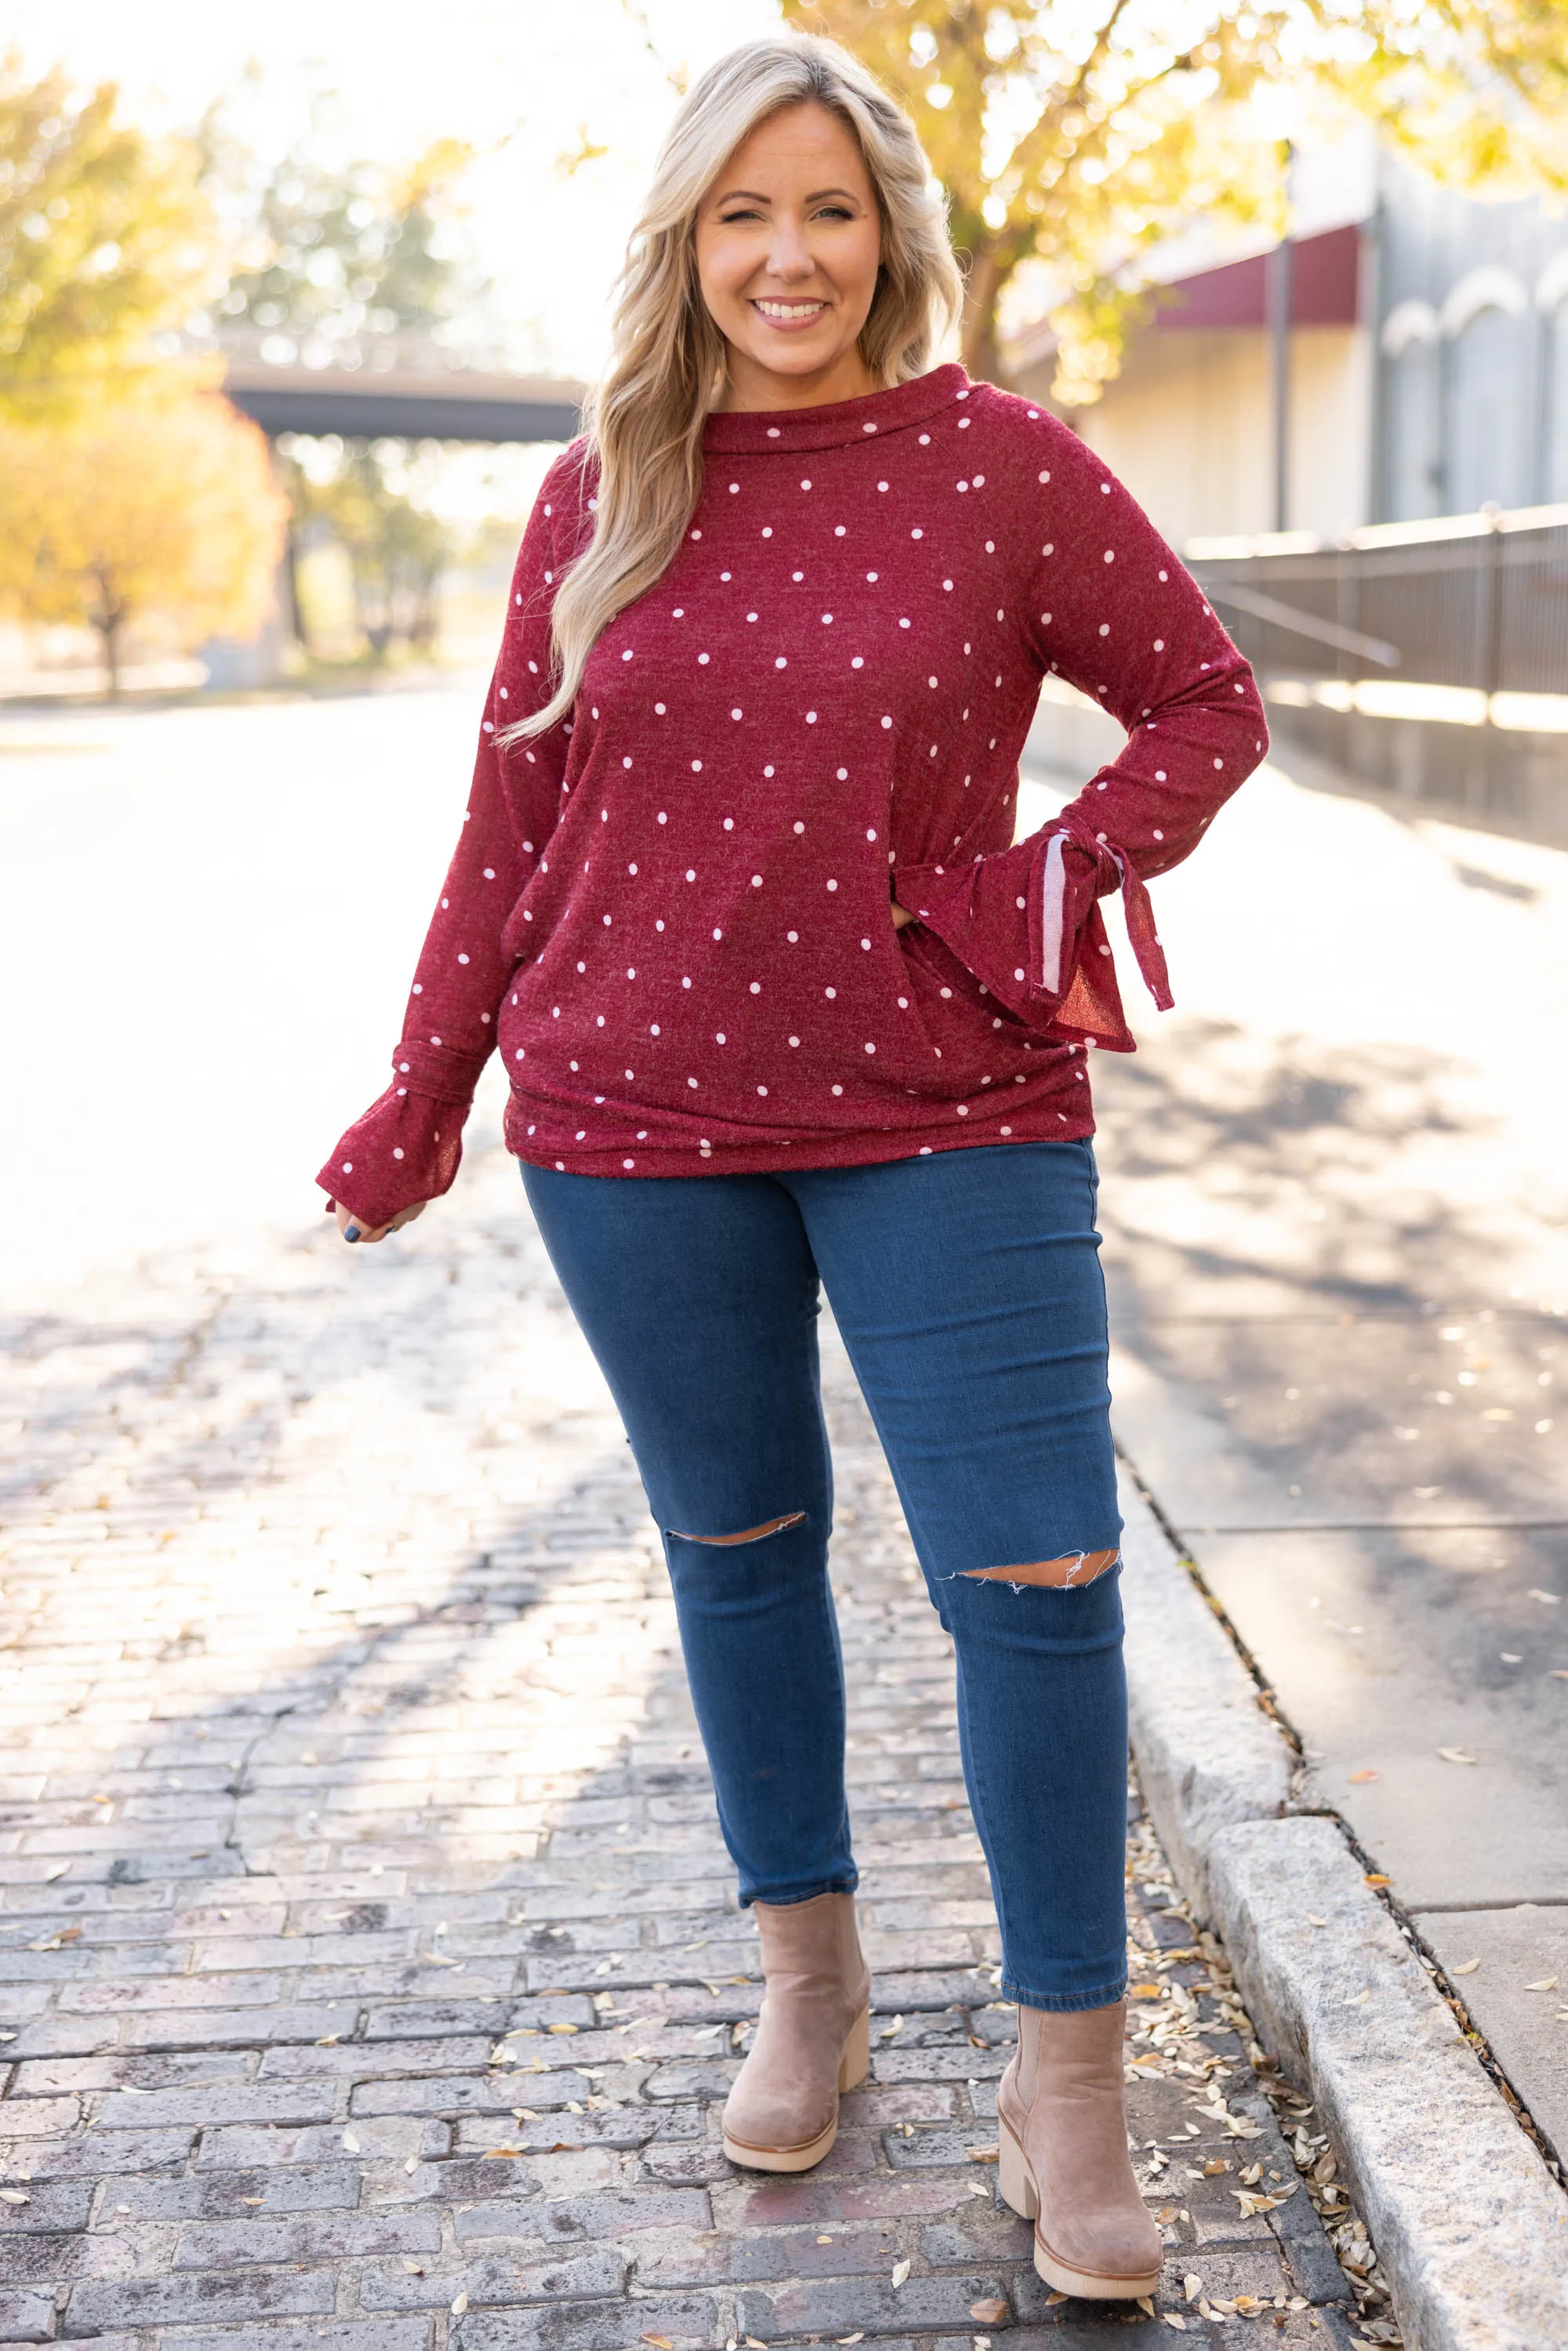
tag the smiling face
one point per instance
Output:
(787, 244)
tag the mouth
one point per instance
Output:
(788, 314)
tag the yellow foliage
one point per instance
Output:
(104, 238)
(1082, 132)
(162, 503)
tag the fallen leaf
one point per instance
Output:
(414, 2269)
(1456, 1755)
(900, 2272)
(15, 2195)
(842, 2338)
(1192, 2286)
(1464, 1968)
(1173, 2318)
(983, 2154)
(1359, 1779)
(329, 2041)
(1376, 1877)
(889, 2029)
(413, 2163)
(459, 2305)
(351, 2142)
(989, 2312)
(1547, 1599)
(1214, 2167)
(1546, 1983)
(1313, 1921)
(824, 2240)
(1146, 1992)
(492, 2154)
(1358, 1999)
(56, 1869)
(1052, 2298)
(1146, 2306)
(663, 2343)
(561, 2028)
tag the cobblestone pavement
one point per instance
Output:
(370, 1970)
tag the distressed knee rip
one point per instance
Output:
(747, 1534)
(1069, 1573)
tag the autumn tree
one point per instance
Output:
(344, 254)
(334, 258)
(1081, 133)
(162, 504)
(104, 240)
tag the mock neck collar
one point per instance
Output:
(841, 424)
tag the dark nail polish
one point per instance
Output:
(350, 1232)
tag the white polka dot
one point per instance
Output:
(832, 885)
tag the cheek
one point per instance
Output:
(722, 271)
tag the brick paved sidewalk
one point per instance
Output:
(370, 1970)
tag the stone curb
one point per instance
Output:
(1471, 2229)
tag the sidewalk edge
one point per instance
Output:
(1471, 2229)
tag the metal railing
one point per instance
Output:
(1427, 661)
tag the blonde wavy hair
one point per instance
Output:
(644, 423)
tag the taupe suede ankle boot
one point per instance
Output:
(1064, 2159)
(813, 2036)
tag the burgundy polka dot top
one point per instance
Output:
(670, 916)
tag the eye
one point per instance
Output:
(836, 211)
(747, 212)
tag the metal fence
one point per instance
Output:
(1426, 661)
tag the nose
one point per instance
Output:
(788, 258)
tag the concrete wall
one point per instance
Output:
(1189, 426)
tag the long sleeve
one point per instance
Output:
(1107, 606)
(406, 1147)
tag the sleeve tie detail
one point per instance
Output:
(1113, 870)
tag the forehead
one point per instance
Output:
(801, 145)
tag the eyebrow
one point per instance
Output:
(815, 196)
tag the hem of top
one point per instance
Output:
(770, 1159)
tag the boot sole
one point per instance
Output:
(1016, 2182)
(853, 2067)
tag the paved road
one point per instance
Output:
(1336, 1213)
(368, 1959)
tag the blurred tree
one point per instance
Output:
(1082, 132)
(397, 549)
(345, 255)
(105, 237)
(338, 258)
(162, 504)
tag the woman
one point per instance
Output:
(736, 900)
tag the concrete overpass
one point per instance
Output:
(365, 403)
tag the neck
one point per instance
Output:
(751, 389)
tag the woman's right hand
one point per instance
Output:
(354, 1228)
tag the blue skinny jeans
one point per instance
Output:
(967, 1288)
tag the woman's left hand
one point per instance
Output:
(900, 914)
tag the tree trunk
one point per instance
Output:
(109, 620)
(983, 284)
(295, 613)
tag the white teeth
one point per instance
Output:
(790, 309)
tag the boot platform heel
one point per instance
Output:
(855, 2063)
(813, 2036)
(1016, 2185)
